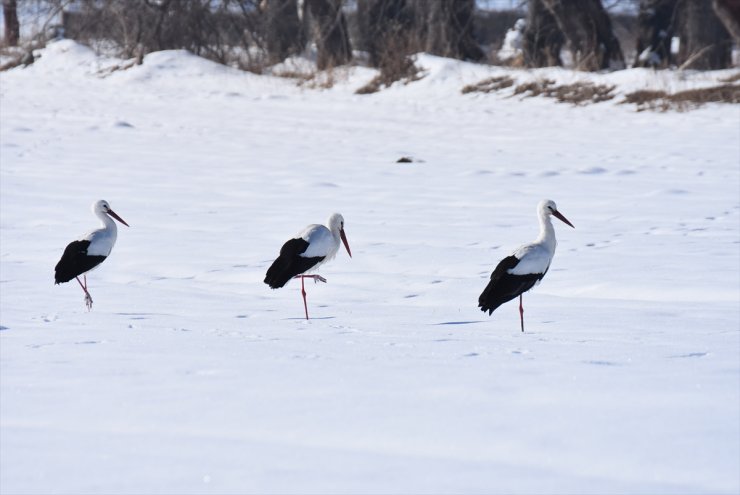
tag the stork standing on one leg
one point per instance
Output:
(311, 248)
(516, 274)
(83, 255)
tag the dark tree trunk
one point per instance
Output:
(705, 43)
(386, 29)
(728, 12)
(542, 37)
(331, 35)
(588, 29)
(450, 29)
(12, 27)
(656, 26)
(284, 33)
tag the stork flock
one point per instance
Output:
(317, 244)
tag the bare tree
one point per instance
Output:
(330, 33)
(656, 27)
(728, 12)
(705, 43)
(584, 25)
(284, 33)
(386, 29)
(12, 26)
(543, 39)
(450, 28)
(588, 30)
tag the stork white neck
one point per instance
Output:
(108, 223)
(102, 240)
(547, 231)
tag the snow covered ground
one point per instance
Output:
(192, 376)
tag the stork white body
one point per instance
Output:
(101, 240)
(323, 242)
(537, 256)
(306, 252)
(90, 250)
(524, 268)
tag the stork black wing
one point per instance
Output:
(290, 263)
(504, 286)
(75, 261)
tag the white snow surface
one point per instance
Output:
(191, 376)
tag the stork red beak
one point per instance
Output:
(561, 217)
(344, 240)
(113, 214)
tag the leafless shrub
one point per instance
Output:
(388, 31)
(683, 100)
(137, 27)
(489, 85)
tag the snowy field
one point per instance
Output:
(191, 376)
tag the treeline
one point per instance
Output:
(257, 33)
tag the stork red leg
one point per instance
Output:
(316, 279)
(303, 293)
(88, 299)
(521, 312)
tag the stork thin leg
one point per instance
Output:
(303, 293)
(88, 299)
(316, 279)
(521, 312)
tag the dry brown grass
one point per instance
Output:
(295, 74)
(683, 100)
(578, 93)
(15, 56)
(403, 70)
(489, 85)
(534, 88)
(731, 79)
(324, 79)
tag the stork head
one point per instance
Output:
(336, 225)
(548, 207)
(102, 207)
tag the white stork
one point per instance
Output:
(90, 250)
(516, 274)
(311, 248)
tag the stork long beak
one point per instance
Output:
(562, 218)
(344, 240)
(114, 215)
